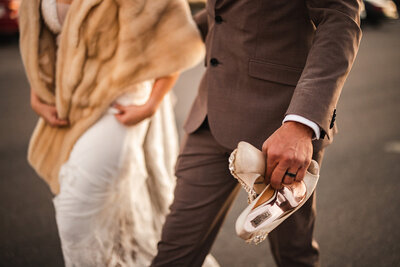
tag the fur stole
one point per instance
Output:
(106, 48)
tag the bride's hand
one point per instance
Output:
(47, 112)
(132, 114)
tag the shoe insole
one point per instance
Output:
(265, 197)
(259, 185)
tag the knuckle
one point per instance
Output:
(289, 159)
(307, 163)
(286, 161)
(273, 155)
(264, 146)
(297, 161)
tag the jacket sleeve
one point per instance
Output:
(202, 22)
(335, 45)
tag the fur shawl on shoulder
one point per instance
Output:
(106, 48)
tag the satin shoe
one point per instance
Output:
(247, 165)
(271, 207)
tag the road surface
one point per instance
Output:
(358, 193)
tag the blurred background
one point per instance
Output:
(357, 196)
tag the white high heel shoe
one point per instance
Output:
(247, 165)
(271, 207)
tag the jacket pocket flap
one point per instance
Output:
(274, 72)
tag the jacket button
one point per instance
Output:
(322, 135)
(218, 19)
(214, 62)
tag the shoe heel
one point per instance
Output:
(252, 178)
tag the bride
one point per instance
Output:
(105, 142)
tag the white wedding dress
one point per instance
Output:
(116, 187)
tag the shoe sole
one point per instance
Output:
(257, 232)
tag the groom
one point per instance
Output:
(275, 70)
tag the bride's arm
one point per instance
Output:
(133, 114)
(47, 112)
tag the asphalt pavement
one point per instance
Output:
(358, 194)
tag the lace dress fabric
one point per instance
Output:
(116, 187)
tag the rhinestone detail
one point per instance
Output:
(257, 238)
(251, 194)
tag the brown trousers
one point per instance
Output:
(204, 193)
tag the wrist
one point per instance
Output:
(300, 128)
(35, 100)
(35, 104)
(150, 107)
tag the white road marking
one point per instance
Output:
(393, 147)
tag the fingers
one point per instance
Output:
(277, 175)
(121, 113)
(123, 118)
(60, 122)
(288, 177)
(120, 118)
(301, 169)
(120, 108)
(55, 122)
(288, 149)
(301, 173)
(271, 165)
(49, 114)
(282, 174)
(292, 173)
(280, 162)
(132, 114)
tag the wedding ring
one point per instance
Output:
(293, 175)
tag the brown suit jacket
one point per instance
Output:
(268, 58)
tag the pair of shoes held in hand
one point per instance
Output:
(268, 207)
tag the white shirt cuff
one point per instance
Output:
(302, 120)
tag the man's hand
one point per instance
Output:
(288, 149)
